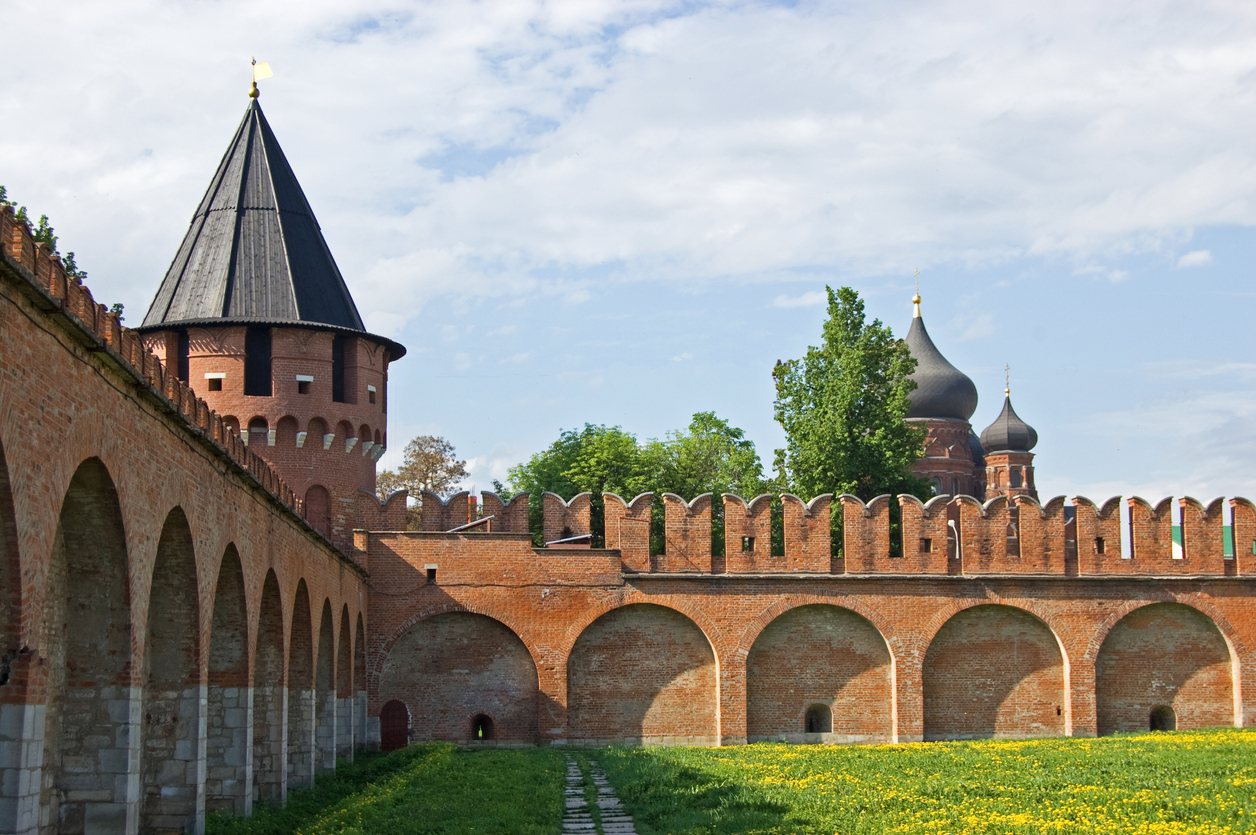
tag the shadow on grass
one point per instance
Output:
(428, 789)
(666, 796)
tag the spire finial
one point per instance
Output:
(1007, 380)
(260, 71)
(916, 298)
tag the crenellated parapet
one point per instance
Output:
(748, 535)
(508, 517)
(566, 519)
(688, 535)
(628, 529)
(64, 295)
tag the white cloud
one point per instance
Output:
(502, 149)
(809, 299)
(974, 327)
(1197, 258)
(682, 357)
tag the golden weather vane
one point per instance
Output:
(1007, 380)
(260, 71)
(916, 298)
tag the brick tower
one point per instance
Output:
(254, 315)
(944, 402)
(1009, 462)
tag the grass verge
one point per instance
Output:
(429, 789)
(1159, 784)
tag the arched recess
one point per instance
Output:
(325, 693)
(15, 714)
(359, 683)
(173, 741)
(270, 735)
(85, 639)
(259, 431)
(318, 509)
(819, 654)
(643, 672)
(394, 724)
(1163, 655)
(228, 777)
(449, 667)
(301, 693)
(315, 433)
(993, 671)
(286, 432)
(344, 688)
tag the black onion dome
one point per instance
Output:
(254, 253)
(942, 390)
(1009, 432)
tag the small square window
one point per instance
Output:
(1099, 545)
(747, 544)
(926, 545)
(303, 387)
(370, 396)
(431, 575)
(215, 383)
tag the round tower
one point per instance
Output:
(255, 316)
(943, 402)
(1009, 462)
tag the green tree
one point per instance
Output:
(843, 406)
(429, 463)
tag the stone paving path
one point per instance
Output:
(578, 818)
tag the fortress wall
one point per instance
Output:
(96, 437)
(808, 533)
(564, 519)
(688, 534)
(748, 535)
(508, 517)
(628, 529)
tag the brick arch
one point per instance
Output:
(172, 675)
(376, 660)
(1237, 646)
(325, 690)
(319, 426)
(344, 686)
(945, 613)
(820, 653)
(10, 566)
(994, 670)
(791, 601)
(453, 665)
(269, 766)
(226, 714)
(286, 429)
(1165, 654)
(86, 637)
(644, 672)
(300, 681)
(630, 597)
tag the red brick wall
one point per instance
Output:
(643, 673)
(570, 516)
(628, 529)
(819, 654)
(451, 667)
(688, 527)
(808, 533)
(1163, 654)
(993, 671)
(749, 519)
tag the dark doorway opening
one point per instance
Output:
(819, 720)
(482, 728)
(1163, 718)
(394, 726)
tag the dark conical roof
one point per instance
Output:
(942, 390)
(254, 253)
(1009, 432)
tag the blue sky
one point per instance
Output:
(627, 212)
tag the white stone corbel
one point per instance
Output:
(349, 443)
(378, 452)
(327, 439)
(301, 439)
(270, 436)
(367, 449)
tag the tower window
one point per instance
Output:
(214, 384)
(370, 394)
(1099, 545)
(926, 545)
(338, 368)
(747, 544)
(257, 382)
(184, 351)
(303, 383)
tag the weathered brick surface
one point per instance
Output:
(819, 655)
(564, 519)
(748, 535)
(688, 527)
(1165, 654)
(628, 529)
(508, 517)
(993, 671)
(808, 533)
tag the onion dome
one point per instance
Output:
(975, 450)
(942, 390)
(1008, 433)
(254, 253)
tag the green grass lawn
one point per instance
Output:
(429, 789)
(1186, 782)
(1153, 784)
